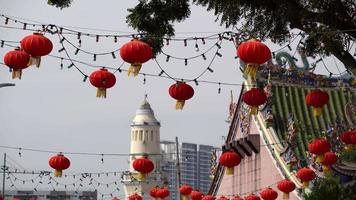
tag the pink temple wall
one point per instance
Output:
(253, 174)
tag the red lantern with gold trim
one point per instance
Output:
(196, 195)
(253, 53)
(37, 45)
(163, 193)
(286, 186)
(317, 99)
(135, 197)
(153, 193)
(349, 138)
(17, 60)
(181, 92)
(223, 198)
(237, 198)
(143, 166)
(330, 158)
(59, 162)
(252, 197)
(185, 191)
(135, 52)
(269, 194)
(229, 160)
(208, 197)
(254, 98)
(102, 79)
(318, 147)
(305, 175)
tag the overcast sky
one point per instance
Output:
(53, 109)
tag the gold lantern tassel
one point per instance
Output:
(101, 93)
(251, 71)
(58, 173)
(185, 197)
(285, 196)
(141, 176)
(153, 198)
(317, 111)
(35, 61)
(254, 110)
(348, 148)
(134, 69)
(229, 170)
(319, 158)
(180, 104)
(305, 184)
(326, 169)
(16, 73)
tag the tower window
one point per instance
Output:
(141, 135)
(151, 135)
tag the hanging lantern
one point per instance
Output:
(286, 186)
(253, 53)
(330, 158)
(17, 60)
(196, 195)
(237, 198)
(254, 98)
(135, 52)
(317, 99)
(102, 79)
(143, 166)
(318, 147)
(185, 191)
(269, 194)
(153, 193)
(223, 198)
(349, 138)
(59, 162)
(305, 175)
(162, 193)
(229, 160)
(208, 197)
(252, 197)
(36, 45)
(181, 92)
(135, 197)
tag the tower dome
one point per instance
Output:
(145, 115)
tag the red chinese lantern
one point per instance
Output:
(254, 98)
(237, 198)
(229, 160)
(102, 79)
(349, 138)
(143, 166)
(196, 195)
(252, 197)
(185, 191)
(135, 197)
(223, 198)
(253, 53)
(317, 99)
(59, 162)
(269, 194)
(286, 186)
(162, 193)
(17, 60)
(36, 45)
(305, 175)
(208, 197)
(181, 92)
(135, 52)
(318, 147)
(153, 193)
(330, 158)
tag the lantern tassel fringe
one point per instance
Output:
(101, 93)
(285, 196)
(35, 61)
(141, 176)
(251, 71)
(326, 169)
(254, 110)
(229, 170)
(180, 105)
(16, 74)
(185, 197)
(319, 158)
(58, 173)
(317, 112)
(305, 184)
(134, 69)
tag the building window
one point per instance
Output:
(146, 135)
(136, 133)
(151, 135)
(141, 135)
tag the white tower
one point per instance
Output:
(145, 139)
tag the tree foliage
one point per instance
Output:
(60, 3)
(330, 25)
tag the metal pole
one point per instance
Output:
(6, 84)
(178, 169)
(3, 177)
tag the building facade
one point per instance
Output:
(50, 195)
(195, 166)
